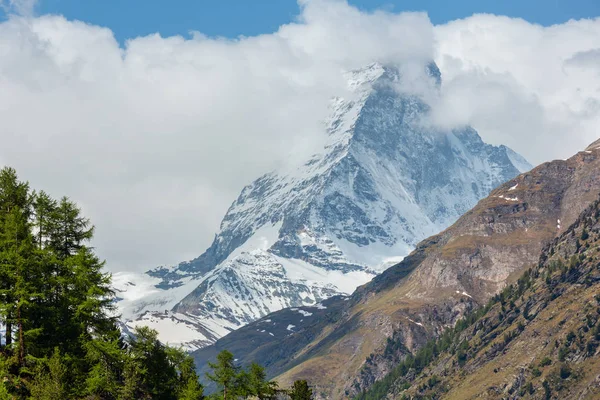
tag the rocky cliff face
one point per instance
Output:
(382, 182)
(447, 274)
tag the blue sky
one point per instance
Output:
(231, 18)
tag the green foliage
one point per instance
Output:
(62, 341)
(545, 361)
(585, 235)
(234, 382)
(300, 391)
(224, 373)
(547, 390)
(563, 352)
(49, 382)
(564, 371)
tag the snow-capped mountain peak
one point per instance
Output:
(380, 184)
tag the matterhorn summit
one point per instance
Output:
(383, 181)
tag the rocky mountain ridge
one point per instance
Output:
(383, 181)
(537, 339)
(447, 275)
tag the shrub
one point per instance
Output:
(545, 361)
(565, 371)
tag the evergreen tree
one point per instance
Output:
(49, 382)
(224, 374)
(62, 340)
(192, 390)
(258, 384)
(106, 374)
(188, 383)
(15, 203)
(69, 229)
(44, 215)
(18, 264)
(301, 391)
(4, 378)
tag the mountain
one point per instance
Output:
(539, 338)
(383, 181)
(357, 340)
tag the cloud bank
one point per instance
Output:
(19, 7)
(156, 138)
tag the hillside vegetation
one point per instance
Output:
(539, 338)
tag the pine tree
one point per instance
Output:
(17, 261)
(224, 374)
(49, 382)
(301, 391)
(4, 378)
(44, 215)
(14, 199)
(157, 372)
(190, 387)
(131, 380)
(106, 375)
(258, 384)
(188, 383)
(69, 229)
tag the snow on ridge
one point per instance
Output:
(305, 313)
(298, 236)
(358, 78)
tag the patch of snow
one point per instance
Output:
(414, 322)
(290, 327)
(513, 188)
(305, 313)
(508, 198)
(464, 294)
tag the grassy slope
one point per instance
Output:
(553, 314)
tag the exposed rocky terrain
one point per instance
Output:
(447, 275)
(537, 339)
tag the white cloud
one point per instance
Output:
(585, 59)
(530, 87)
(20, 7)
(157, 138)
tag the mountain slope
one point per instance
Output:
(537, 339)
(419, 298)
(382, 182)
